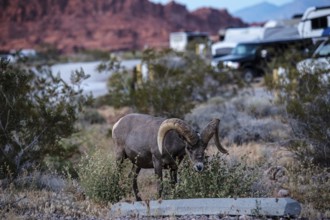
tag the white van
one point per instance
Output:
(222, 48)
(232, 37)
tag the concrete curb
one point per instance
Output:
(209, 206)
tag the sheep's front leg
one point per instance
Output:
(158, 165)
(135, 171)
(174, 176)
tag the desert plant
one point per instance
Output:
(221, 178)
(306, 95)
(171, 86)
(244, 119)
(48, 54)
(95, 54)
(91, 116)
(101, 179)
(38, 109)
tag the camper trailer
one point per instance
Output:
(243, 34)
(315, 22)
(179, 41)
(282, 29)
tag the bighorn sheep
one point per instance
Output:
(152, 142)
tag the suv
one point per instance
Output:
(252, 59)
(320, 60)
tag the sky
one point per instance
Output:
(230, 5)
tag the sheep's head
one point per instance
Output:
(195, 143)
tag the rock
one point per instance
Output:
(245, 217)
(213, 206)
(283, 193)
(71, 25)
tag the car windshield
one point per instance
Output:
(323, 50)
(245, 49)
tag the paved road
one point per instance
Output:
(97, 83)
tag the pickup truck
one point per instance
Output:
(252, 59)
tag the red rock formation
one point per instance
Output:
(101, 24)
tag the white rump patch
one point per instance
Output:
(116, 124)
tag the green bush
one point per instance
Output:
(306, 95)
(95, 54)
(100, 178)
(38, 109)
(219, 179)
(175, 83)
(91, 116)
(48, 54)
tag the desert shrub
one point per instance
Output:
(258, 107)
(243, 121)
(171, 86)
(306, 95)
(101, 179)
(91, 116)
(219, 179)
(254, 130)
(64, 163)
(38, 109)
(95, 54)
(48, 54)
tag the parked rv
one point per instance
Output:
(284, 29)
(272, 30)
(252, 59)
(243, 34)
(179, 41)
(315, 22)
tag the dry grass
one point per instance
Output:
(43, 204)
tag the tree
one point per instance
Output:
(38, 109)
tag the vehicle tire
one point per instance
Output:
(248, 75)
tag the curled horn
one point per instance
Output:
(212, 128)
(181, 127)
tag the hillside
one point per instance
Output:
(70, 25)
